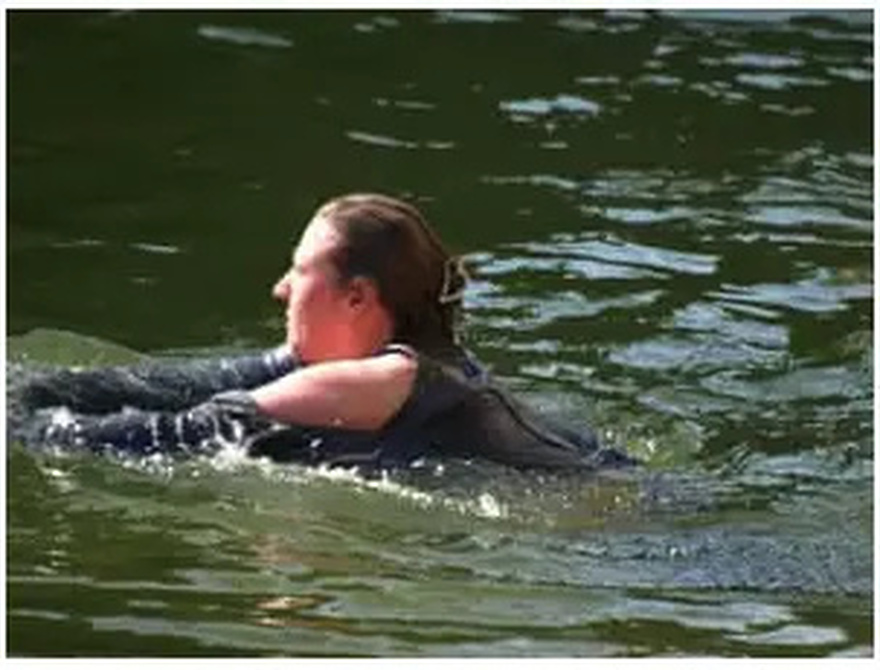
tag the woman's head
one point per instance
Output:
(364, 259)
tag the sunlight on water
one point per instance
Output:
(244, 36)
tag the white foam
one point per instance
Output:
(484, 506)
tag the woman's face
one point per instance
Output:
(318, 313)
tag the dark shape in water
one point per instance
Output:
(194, 406)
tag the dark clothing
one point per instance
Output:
(163, 385)
(193, 407)
(455, 410)
(157, 407)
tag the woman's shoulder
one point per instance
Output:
(447, 360)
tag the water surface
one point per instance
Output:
(669, 219)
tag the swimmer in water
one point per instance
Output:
(371, 373)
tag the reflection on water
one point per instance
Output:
(669, 216)
(244, 36)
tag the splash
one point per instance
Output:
(484, 505)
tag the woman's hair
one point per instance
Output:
(391, 243)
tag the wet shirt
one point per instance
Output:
(457, 410)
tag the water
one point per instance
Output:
(669, 219)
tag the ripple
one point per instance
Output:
(564, 104)
(388, 142)
(153, 248)
(376, 24)
(554, 181)
(518, 314)
(603, 80)
(643, 216)
(572, 267)
(469, 16)
(808, 296)
(778, 82)
(833, 193)
(380, 140)
(84, 243)
(719, 90)
(691, 354)
(860, 160)
(802, 110)
(244, 36)
(696, 17)
(733, 617)
(573, 305)
(627, 253)
(826, 35)
(799, 636)
(764, 61)
(851, 73)
(660, 80)
(802, 216)
(411, 105)
(652, 186)
(45, 615)
(708, 318)
(577, 23)
(829, 382)
(780, 188)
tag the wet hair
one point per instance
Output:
(390, 242)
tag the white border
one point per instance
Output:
(497, 5)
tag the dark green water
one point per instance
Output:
(670, 223)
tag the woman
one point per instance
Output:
(371, 373)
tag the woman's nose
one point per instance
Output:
(281, 290)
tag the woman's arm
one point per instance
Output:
(162, 385)
(227, 418)
(361, 394)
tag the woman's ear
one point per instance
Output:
(362, 293)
